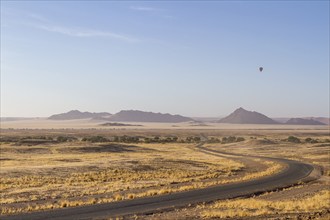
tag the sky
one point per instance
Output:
(194, 58)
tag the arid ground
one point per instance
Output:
(61, 167)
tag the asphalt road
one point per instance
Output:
(295, 172)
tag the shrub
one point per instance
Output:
(314, 141)
(240, 139)
(94, 139)
(65, 138)
(293, 139)
(308, 139)
(197, 139)
(213, 140)
(231, 139)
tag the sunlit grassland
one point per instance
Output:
(38, 177)
(71, 174)
(258, 207)
(57, 175)
(276, 146)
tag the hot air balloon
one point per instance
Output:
(261, 69)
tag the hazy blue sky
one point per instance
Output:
(190, 58)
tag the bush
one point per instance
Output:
(293, 139)
(95, 139)
(314, 141)
(65, 138)
(231, 139)
(240, 139)
(195, 139)
(213, 140)
(308, 140)
(147, 140)
(158, 139)
(311, 140)
(129, 139)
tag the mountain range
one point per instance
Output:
(122, 116)
(303, 121)
(140, 116)
(239, 116)
(75, 114)
(323, 120)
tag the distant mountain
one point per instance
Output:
(302, 121)
(75, 114)
(323, 120)
(242, 116)
(281, 120)
(140, 116)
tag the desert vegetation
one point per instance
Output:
(68, 171)
(48, 169)
(261, 207)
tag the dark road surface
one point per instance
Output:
(295, 172)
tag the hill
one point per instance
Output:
(323, 120)
(281, 120)
(75, 114)
(140, 116)
(302, 121)
(242, 116)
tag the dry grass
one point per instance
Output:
(275, 146)
(50, 176)
(63, 175)
(72, 174)
(257, 207)
(116, 184)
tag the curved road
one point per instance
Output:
(294, 172)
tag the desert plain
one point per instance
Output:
(59, 165)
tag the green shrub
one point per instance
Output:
(293, 139)
(95, 139)
(231, 139)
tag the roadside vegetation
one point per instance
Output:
(259, 207)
